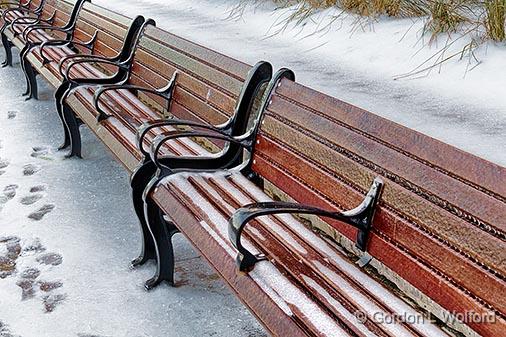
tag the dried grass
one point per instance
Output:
(479, 21)
(495, 21)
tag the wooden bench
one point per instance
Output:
(86, 33)
(19, 13)
(437, 237)
(61, 26)
(172, 83)
(99, 35)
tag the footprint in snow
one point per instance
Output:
(30, 169)
(52, 301)
(49, 286)
(31, 199)
(10, 253)
(34, 247)
(4, 163)
(13, 249)
(41, 212)
(12, 114)
(27, 291)
(52, 259)
(40, 152)
(9, 191)
(38, 188)
(5, 331)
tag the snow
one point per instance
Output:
(87, 230)
(91, 226)
(464, 108)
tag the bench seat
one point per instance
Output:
(128, 113)
(312, 281)
(437, 234)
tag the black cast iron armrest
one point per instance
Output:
(90, 45)
(27, 20)
(88, 58)
(165, 137)
(360, 217)
(165, 93)
(29, 30)
(33, 22)
(143, 130)
(6, 12)
(108, 80)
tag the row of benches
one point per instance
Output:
(214, 144)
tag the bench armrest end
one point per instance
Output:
(360, 217)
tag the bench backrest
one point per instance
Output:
(208, 83)
(110, 27)
(32, 5)
(441, 224)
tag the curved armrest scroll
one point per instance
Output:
(163, 138)
(360, 217)
(158, 123)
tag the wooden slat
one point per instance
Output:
(443, 231)
(477, 171)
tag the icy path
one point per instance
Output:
(466, 111)
(70, 230)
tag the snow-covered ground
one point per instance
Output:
(67, 228)
(67, 233)
(465, 109)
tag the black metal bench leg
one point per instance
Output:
(59, 95)
(72, 124)
(27, 79)
(8, 50)
(162, 232)
(31, 74)
(138, 181)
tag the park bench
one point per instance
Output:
(54, 20)
(211, 89)
(75, 29)
(171, 83)
(436, 239)
(19, 13)
(97, 35)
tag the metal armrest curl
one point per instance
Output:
(165, 93)
(360, 217)
(97, 81)
(159, 123)
(88, 58)
(90, 45)
(33, 21)
(161, 139)
(44, 27)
